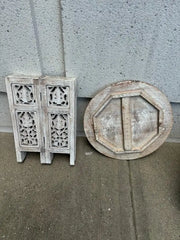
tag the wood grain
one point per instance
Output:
(43, 112)
(128, 120)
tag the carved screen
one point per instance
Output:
(59, 130)
(24, 94)
(27, 124)
(43, 112)
(58, 96)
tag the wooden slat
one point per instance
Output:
(126, 116)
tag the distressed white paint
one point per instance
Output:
(128, 120)
(43, 112)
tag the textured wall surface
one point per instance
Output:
(30, 40)
(108, 41)
(101, 42)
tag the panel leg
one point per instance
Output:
(73, 151)
(20, 156)
(46, 157)
(72, 159)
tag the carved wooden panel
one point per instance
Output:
(59, 130)
(58, 96)
(43, 112)
(24, 94)
(128, 120)
(27, 128)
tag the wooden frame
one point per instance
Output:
(128, 120)
(43, 112)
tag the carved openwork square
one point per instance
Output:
(58, 96)
(23, 94)
(59, 130)
(27, 124)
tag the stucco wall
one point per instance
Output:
(108, 41)
(30, 41)
(99, 42)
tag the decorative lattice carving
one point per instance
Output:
(27, 128)
(59, 130)
(43, 112)
(23, 94)
(58, 96)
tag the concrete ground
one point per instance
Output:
(98, 199)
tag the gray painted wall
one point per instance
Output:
(99, 42)
(30, 40)
(107, 41)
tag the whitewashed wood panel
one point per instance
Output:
(128, 120)
(43, 112)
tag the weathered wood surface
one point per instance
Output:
(128, 120)
(43, 112)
